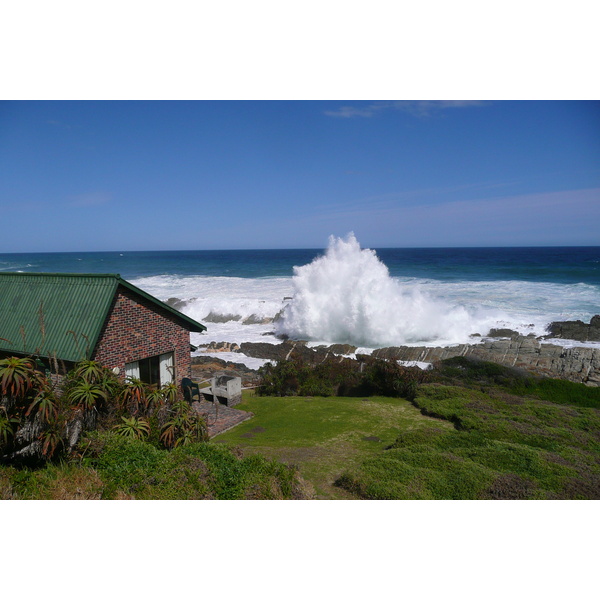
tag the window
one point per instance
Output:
(157, 370)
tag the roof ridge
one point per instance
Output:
(36, 274)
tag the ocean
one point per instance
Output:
(347, 294)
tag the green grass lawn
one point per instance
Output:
(473, 431)
(475, 443)
(324, 436)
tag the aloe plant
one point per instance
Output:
(133, 428)
(86, 395)
(17, 376)
(134, 395)
(45, 405)
(170, 392)
(8, 426)
(90, 371)
(155, 397)
(51, 439)
(184, 427)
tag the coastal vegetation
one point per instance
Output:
(501, 447)
(90, 435)
(466, 429)
(473, 430)
(332, 377)
(42, 415)
(109, 466)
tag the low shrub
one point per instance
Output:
(500, 449)
(471, 371)
(475, 371)
(510, 486)
(134, 468)
(426, 474)
(369, 377)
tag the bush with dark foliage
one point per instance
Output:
(332, 377)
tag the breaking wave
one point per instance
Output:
(348, 296)
(234, 309)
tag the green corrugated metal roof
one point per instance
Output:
(60, 303)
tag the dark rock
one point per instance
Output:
(221, 347)
(212, 317)
(273, 351)
(576, 330)
(256, 320)
(263, 350)
(177, 303)
(502, 333)
(342, 349)
(581, 365)
(296, 349)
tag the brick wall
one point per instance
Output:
(136, 329)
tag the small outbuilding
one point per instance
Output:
(70, 317)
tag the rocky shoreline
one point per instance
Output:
(505, 347)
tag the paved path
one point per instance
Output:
(220, 418)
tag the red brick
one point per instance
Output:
(137, 329)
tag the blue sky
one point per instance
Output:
(146, 175)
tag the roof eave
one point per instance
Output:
(192, 325)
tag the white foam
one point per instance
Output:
(424, 366)
(239, 297)
(571, 343)
(348, 296)
(4, 266)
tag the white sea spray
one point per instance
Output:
(348, 296)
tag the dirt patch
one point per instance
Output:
(253, 432)
(371, 438)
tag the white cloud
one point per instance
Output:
(543, 219)
(348, 112)
(419, 108)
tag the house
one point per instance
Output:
(70, 317)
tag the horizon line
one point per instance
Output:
(121, 251)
